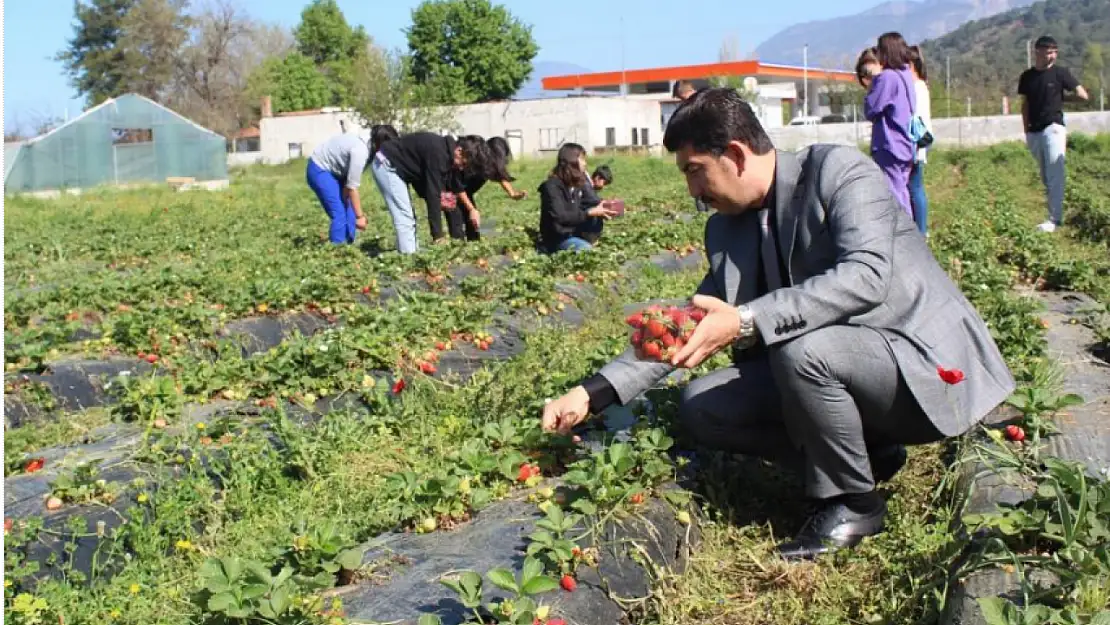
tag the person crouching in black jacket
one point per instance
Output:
(424, 160)
(467, 218)
(563, 221)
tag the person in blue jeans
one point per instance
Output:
(918, 200)
(564, 223)
(334, 173)
(426, 161)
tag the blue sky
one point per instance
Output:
(656, 32)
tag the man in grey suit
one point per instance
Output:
(837, 314)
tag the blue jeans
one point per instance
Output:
(577, 242)
(395, 192)
(1049, 148)
(918, 200)
(329, 190)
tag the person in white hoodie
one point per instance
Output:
(918, 201)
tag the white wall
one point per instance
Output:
(952, 132)
(623, 115)
(543, 125)
(308, 130)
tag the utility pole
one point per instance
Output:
(624, 83)
(948, 84)
(805, 79)
(1029, 53)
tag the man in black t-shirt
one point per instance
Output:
(1043, 88)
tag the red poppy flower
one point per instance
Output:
(950, 376)
(34, 464)
(398, 386)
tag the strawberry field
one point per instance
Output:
(213, 416)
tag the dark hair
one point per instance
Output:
(867, 57)
(381, 134)
(479, 160)
(681, 86)
(708, 120)
(892, 51)
(604, 173)
(1045, 41)
(917, 57)
(501, 155)
(566, 165)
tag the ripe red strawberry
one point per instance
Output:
(556, 621)
(34, 464)
(428, 368)
(365, 290)
(568, 583)
(141, 355)
(636, 320)
(638, 338)
(667, 340)
(637, 499)
(1015, 433)
(7, 526)
(652, 349)
(152, 358)
(398, 386)
(655, 329)
(697, 314)
(679, 317)
(483, 345)
(440, 345)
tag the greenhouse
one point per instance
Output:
(124, 140)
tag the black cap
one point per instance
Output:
(1045, 42)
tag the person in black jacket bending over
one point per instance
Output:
(562, 216)
(423, 160)
(467, 218)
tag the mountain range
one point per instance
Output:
(836, 42)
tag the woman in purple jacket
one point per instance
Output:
(889, 105)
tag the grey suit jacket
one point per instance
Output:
(853, 257)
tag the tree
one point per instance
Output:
(472, 50)
(225, 48)
(333, 45)
(96, 66)
(325, 36)
(386, 92)
(1094, 71)
(293, 82)
(152, 35)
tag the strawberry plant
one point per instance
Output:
(320, 556)
(83, 486)
(550, 544)
(519, 609)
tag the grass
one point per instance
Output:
(159, 272)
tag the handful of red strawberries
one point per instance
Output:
(662, 331)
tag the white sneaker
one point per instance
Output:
(1047, 226)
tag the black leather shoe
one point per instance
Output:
(832, 527)
(886, 462)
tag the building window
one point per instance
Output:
(644, 137)
(635, 136)
(551, 138)
(123, 136)
(610, 136)
(294, 150)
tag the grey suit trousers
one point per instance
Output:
(817, 403)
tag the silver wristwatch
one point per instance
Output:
(747, 337)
